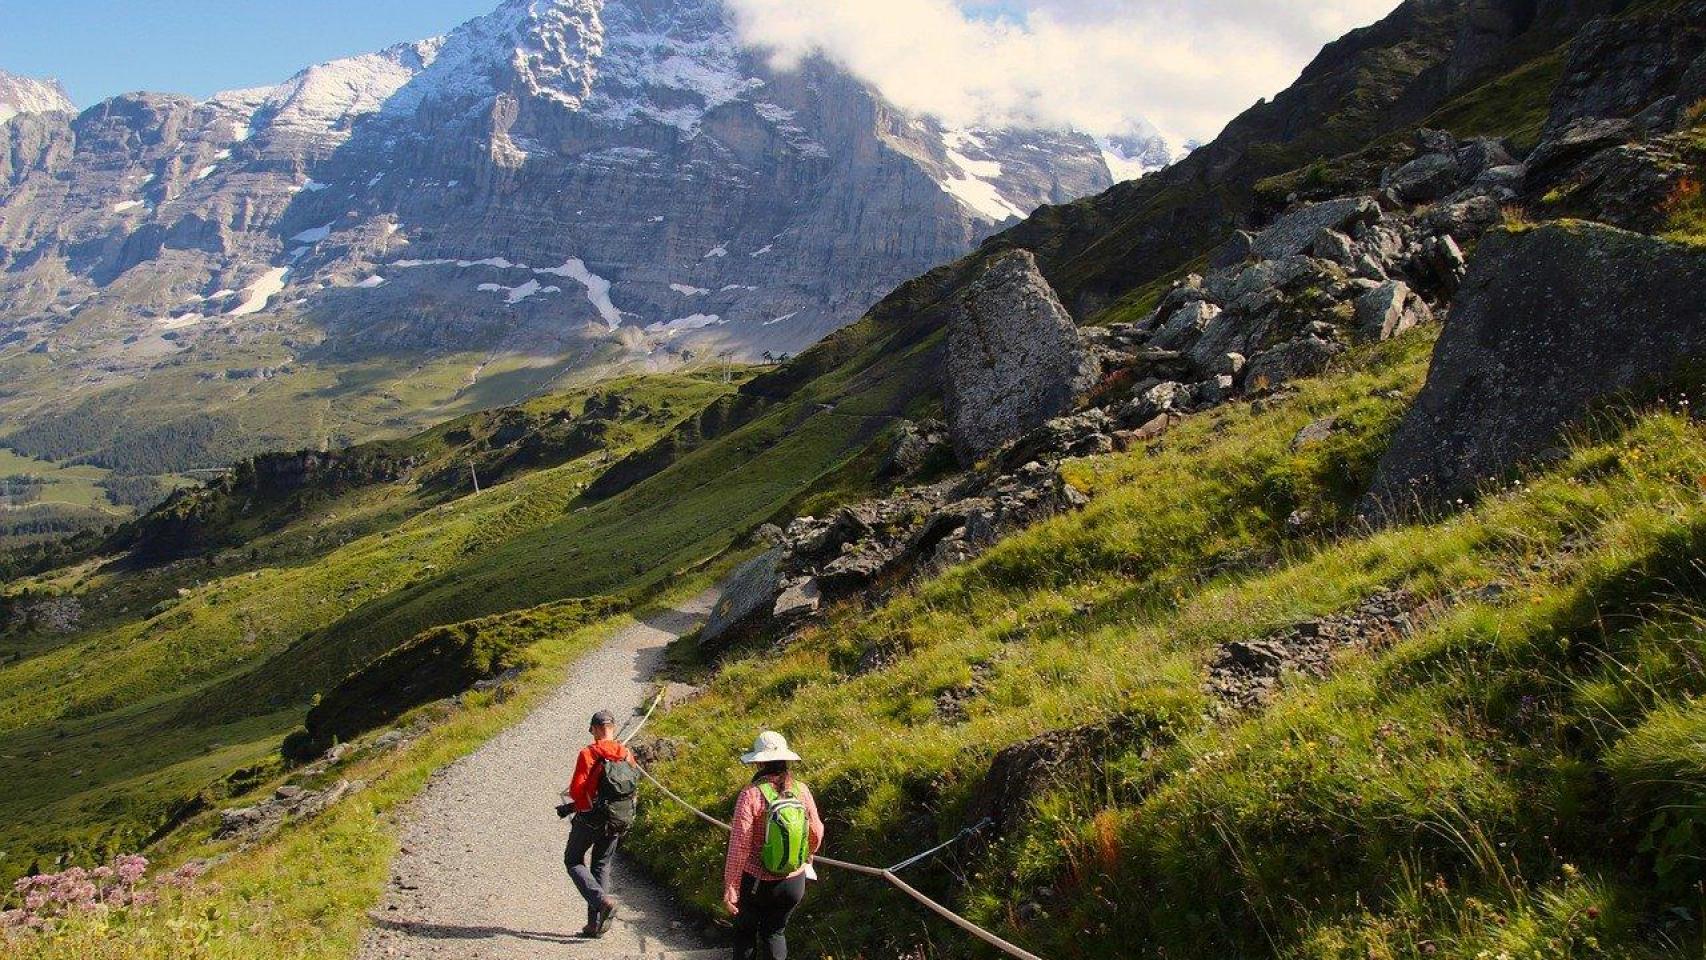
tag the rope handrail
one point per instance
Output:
(887, 874)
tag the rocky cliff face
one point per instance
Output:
(569, 181)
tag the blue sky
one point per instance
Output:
(1096, 65)
(99, 48)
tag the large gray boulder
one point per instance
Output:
(749, 595)
(1296, 231)
(1015, 358)
(1292, 360)
(1548, 321)
(1185, 326)
(1428, 177)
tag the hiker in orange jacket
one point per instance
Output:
(591, 832)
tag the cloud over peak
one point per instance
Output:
(1101, 66)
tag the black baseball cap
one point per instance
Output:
(604, 718)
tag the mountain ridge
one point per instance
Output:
(468, 219)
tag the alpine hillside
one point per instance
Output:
(1294, 553)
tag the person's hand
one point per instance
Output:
(732, 905)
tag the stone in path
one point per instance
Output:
(480, 875)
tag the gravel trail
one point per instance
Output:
(481, 872)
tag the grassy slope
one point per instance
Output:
(304, 893)
(1480, 787)
(102, 731)
(639, 539)
(309, 402)
(236, 659)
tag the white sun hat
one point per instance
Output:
(769, 746)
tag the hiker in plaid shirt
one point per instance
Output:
(762, 901)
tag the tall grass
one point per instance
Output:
(1423, 801)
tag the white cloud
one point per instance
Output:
(1187, 66)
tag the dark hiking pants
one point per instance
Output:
(592, 880)
(761, 926)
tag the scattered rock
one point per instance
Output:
(1183, 326)
(1466, 218)
(1428, 177)
(1245, 674)
(1315, 432)
(1332, 245)
(750, 590)
(1304, 357)
(1575, 142)
(55, 615)
(1234, 251)
(1294, 232)
(1023, 771)
(1388, 310)
(249, 824)
(799, 598)
(1439, 265)
(912, 447)
(1475, 157)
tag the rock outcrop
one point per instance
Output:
(1549, 321)
(288, 803)
(1015, 358)
(863, 549)
(1319, 278)
(1246, 674)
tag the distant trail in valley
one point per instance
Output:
(481, 871)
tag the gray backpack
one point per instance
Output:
(617, 801)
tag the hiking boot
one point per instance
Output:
(606, 916)
(589, 932)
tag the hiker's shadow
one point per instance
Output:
(446, 931)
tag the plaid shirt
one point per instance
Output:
(746, 838)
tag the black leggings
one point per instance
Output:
(761, 927)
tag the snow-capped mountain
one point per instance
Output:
(558, 184)
(1139, 150)
(24, 95)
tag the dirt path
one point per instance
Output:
(481, 870)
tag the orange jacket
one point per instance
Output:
(589, 771)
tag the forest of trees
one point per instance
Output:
(139, 492)
(101, 436)
(20, 489)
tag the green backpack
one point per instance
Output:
(786, 827)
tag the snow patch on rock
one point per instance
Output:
(314, 234)
(260, 292)
(597, 288)
(697, 321)
(517, 294)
